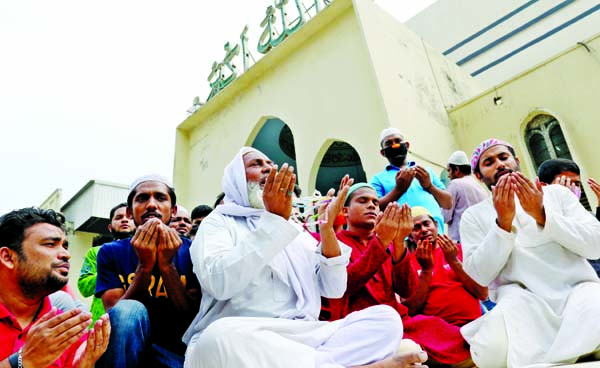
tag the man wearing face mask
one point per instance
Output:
(395, 182)
(565, 172)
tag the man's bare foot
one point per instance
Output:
(401, 360)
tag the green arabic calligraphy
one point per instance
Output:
(223, 73)
(267, 40)
(245, 51)
(217, 79)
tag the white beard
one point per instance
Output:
(255, 196)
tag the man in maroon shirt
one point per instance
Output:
(379, 266)
(380, 272)
(449, 292)
(34, 262)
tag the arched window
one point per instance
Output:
(275, 139)
(545, 140)
(340, 159)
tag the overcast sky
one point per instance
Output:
(95, 90)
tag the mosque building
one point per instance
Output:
(459, 72)
(455, 74)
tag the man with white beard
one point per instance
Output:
(262, 277)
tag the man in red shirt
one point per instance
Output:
(34, 262)
(448, 291)
(380, 272)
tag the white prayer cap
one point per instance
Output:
(390, 131)
(150, 177)
(459, 158)
(180, 208)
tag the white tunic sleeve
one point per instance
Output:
(486, 247)
(332, 274)
(569, 224)
(226, 258)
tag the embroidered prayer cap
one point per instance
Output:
(458, 158)
(389, 131)
(150, 177)
(356, 187)
(484, 146)
(417, 211)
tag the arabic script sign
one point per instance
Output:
(274, 32)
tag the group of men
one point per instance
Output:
(257, 289)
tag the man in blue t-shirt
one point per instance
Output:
(147, 284)
(396, 183)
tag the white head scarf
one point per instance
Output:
(235, 187)
(292, 273)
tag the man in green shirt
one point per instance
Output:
(121, 227)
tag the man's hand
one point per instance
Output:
(530, 196)
(330, 246)
(335, 205)
(595, 188)
(95, 345)
(503, 196)
(168, 245)
(449, 248)
(564, 181)
(278, 191)
(144, 243)
(52, 334)
(404, 178)
(405, 223)
(424, 254)
(423, 177)
(387, 224)
(405, 226)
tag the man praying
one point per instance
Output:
(262, 277)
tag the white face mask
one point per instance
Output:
(255, 196)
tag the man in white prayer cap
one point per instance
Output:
(465, 191)
(263, 276)
(181, 222)
(147, 284)
(396, 182)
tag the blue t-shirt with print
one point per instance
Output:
(385, 181)
(117, 262)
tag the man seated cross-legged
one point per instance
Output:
(262, 277)
(529, 243)
(380, 267)
(147, 284)
(445, 290)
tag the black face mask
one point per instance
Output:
(396, 154)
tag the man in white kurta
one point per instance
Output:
(547, 293)
(262, 277)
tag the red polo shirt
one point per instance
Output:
(12, 336)
(447, 297)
